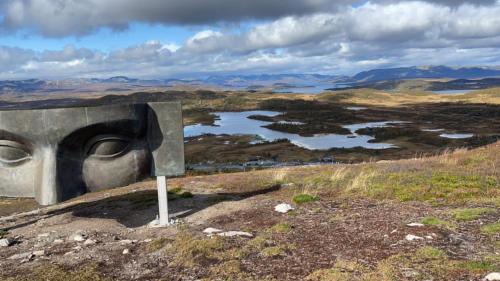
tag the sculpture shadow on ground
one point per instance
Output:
(138, 208)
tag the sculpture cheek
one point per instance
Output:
(131, 167)
(18, 181)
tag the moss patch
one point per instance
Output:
(304, 198)
(491, 229)
(281, 228)
(433, 221)
(470, 214)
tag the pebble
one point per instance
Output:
(128, 242)
(58, 241)
(415, 224)
(6, 242)
(39, 253)
(78, 237)
(283, 208)
(211, 230)
(89, 242)
(494, 276)
(27, 255)
(411, 237)
(126, 251)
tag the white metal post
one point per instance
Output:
(162, 200)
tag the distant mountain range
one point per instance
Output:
(386, 77)
(435, 72)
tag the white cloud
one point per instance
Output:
(341, 40)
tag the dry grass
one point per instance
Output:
(458, 177)
(189, 250)
(53, 272)
(426, 263)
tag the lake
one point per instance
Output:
(452, 92)
(238, 123)
(309, 89)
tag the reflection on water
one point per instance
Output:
(456, 136)
(356, 108)
(310, 89)
(452, 92)
(237, 123)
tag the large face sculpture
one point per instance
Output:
(57, 154)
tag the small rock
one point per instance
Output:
(126, 251)
(21, 256)
(77, 237)
(43, 235)
(77, 248)
(494, 276)
(148, 240)
(58, 241)
(429, 237)
(89, 242)
(394, 231)
(411, 237)
(6, 242)
(69, 253)
(283, 208)
(128, 242)
(211, 230)
(39, 253)
(415, 224)
(235, 233)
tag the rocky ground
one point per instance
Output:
(349, 222)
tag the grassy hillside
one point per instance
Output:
(350, 223)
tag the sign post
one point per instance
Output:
(166, 141)
(162, 200)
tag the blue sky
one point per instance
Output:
(104, 39)
(58, 39)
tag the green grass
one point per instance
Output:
(470, 214)
(433, 221)
(281, 228)
(478, 266)
(491, 229)
(304, 198)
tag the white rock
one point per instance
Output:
(494, 276)
(283, 208)
(211, 230)
(148, 240)
(126, 251)
(58, 241)
(411, 237)
(235, 233)
(77, 237)
(128, 242)
(6, 242)
(39, 253)
(44, 235)
(429, 237)
(20, 256)
(89, 242)
(415, 224)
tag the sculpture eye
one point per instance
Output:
(107, 146)
(13, 153)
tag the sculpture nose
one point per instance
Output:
(47, 191)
